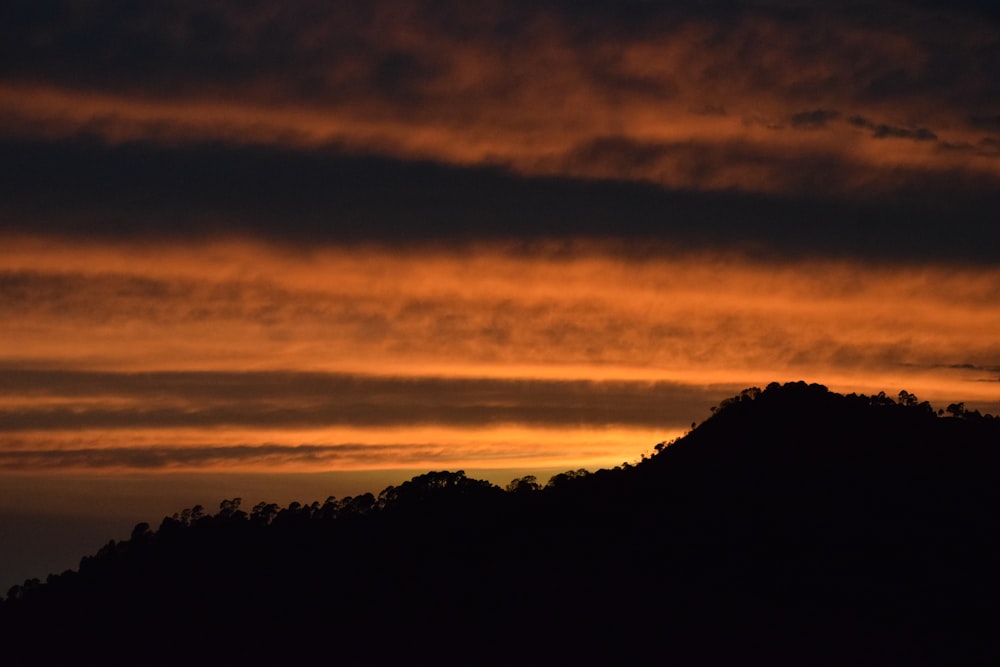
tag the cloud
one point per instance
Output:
(815, 119)
(38, 400)
(548, 352)
(198, 193)
(155, 458)
(326, 449)
(719, 165)
(215, 457)
(264, 457)
(517, 85)
(483, 312)
(883, 131)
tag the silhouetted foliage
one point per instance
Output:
(526, 484)
(565, 478)
(795, 526)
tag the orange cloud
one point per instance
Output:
(327, 309)
(232, 450)
(686, 101)
(241, 346)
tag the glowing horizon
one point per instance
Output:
(233, 355)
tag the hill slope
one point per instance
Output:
(794, 526)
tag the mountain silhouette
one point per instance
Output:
(794, 526)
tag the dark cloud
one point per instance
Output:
(815, 119)
(82, 188)
(883, 131)
(920, 134)
(293, 399)
(405, 50)
(986, 147)
(541, 89)
(162, 457)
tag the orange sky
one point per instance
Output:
(239, 356)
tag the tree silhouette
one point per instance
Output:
(796, 525)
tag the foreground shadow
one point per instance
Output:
(795, 526)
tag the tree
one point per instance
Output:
(141, 532)
(264, 513)
(526, 484)
(230, 509)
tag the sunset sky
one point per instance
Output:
(285, 250)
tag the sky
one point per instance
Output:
(289, 250)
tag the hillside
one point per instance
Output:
(795, 526)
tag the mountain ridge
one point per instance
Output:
(795, 524)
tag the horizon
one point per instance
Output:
(81, 512)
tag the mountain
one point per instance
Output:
(795, 526)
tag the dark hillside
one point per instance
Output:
(796, 526)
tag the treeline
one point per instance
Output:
(794, 525)
(426, 493)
